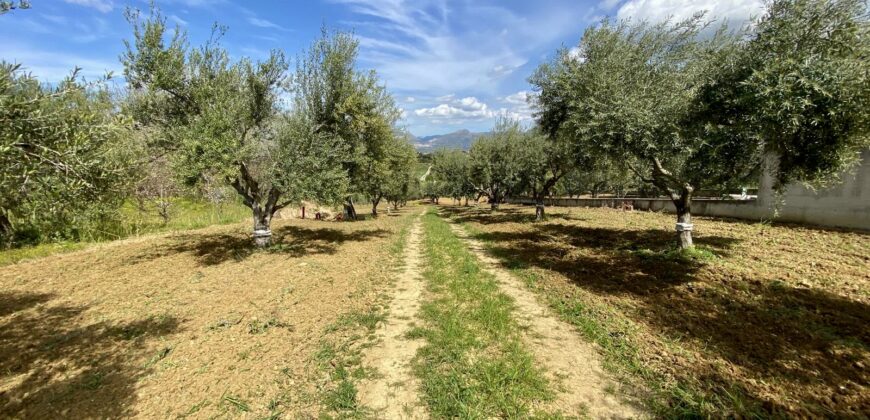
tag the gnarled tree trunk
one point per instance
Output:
(375, 206)
(684, 226)
(262, 227)
(680, 192)
(262, 212)
(349, 209)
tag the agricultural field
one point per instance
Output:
(759, 319)
(250, 210)
(194, 323)
(446, 311)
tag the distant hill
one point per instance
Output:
(461, 139)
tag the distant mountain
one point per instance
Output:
(461, 139)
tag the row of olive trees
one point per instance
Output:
(334, 139)
(509, 161)
(63, 161)
(680, 108)
(323, 133)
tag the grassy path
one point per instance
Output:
(569, 361)
(474, 363)
(392, 393)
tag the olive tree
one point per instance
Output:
(390, 176)
(451, 168)
(801, 87)
(218, 116)
(346, 104)
(543, 161)
(684, 111)
(400, 181)
(495, 170)
(63, 160)
(625, 95)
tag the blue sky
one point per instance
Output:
(449, 64)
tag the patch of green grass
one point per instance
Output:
(236, 402)
(697, 254)
(256, 326)
(186, 213)
(368, 320)
(93, 380)
(473, 364)
(14, 255)
(616, 336)
(160, 355)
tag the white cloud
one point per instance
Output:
(104, 6)
(52, 66)
(263, 23)
(519, 98)
(438, 46)
(410, 99)
(736, 12)
(466, 108)
(178, 21)
(502, 70)
(463, 110)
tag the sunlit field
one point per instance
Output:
(760, 319)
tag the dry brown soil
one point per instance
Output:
(393, 392)
(195, 323)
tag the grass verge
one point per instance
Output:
(473, 364)
(186, 214)
(617, 337)
(339, 358)
(758, 321)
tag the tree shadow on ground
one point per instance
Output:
(54, 365)
(293, 241)
(768, 330)
(486, 216)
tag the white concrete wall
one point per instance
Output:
(844, 205)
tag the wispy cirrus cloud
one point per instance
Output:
(735, 12)
(435, 45)
(263, 23)
(104, 6)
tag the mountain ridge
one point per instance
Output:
(459, 139)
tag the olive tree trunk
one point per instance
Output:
(349, 209)
(375, 203)
(262, 227)
(680, 192)
(262, 210)
(539, 209)
(684, 226)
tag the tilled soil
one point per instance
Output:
(393, 392)
(192, 323)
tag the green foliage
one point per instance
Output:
(451, 170)
(351, 106)
(221, 118)
(7, 6)
(495, 169)
(806, 87)
(400, 179)
(543, 160)
(64, 164)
